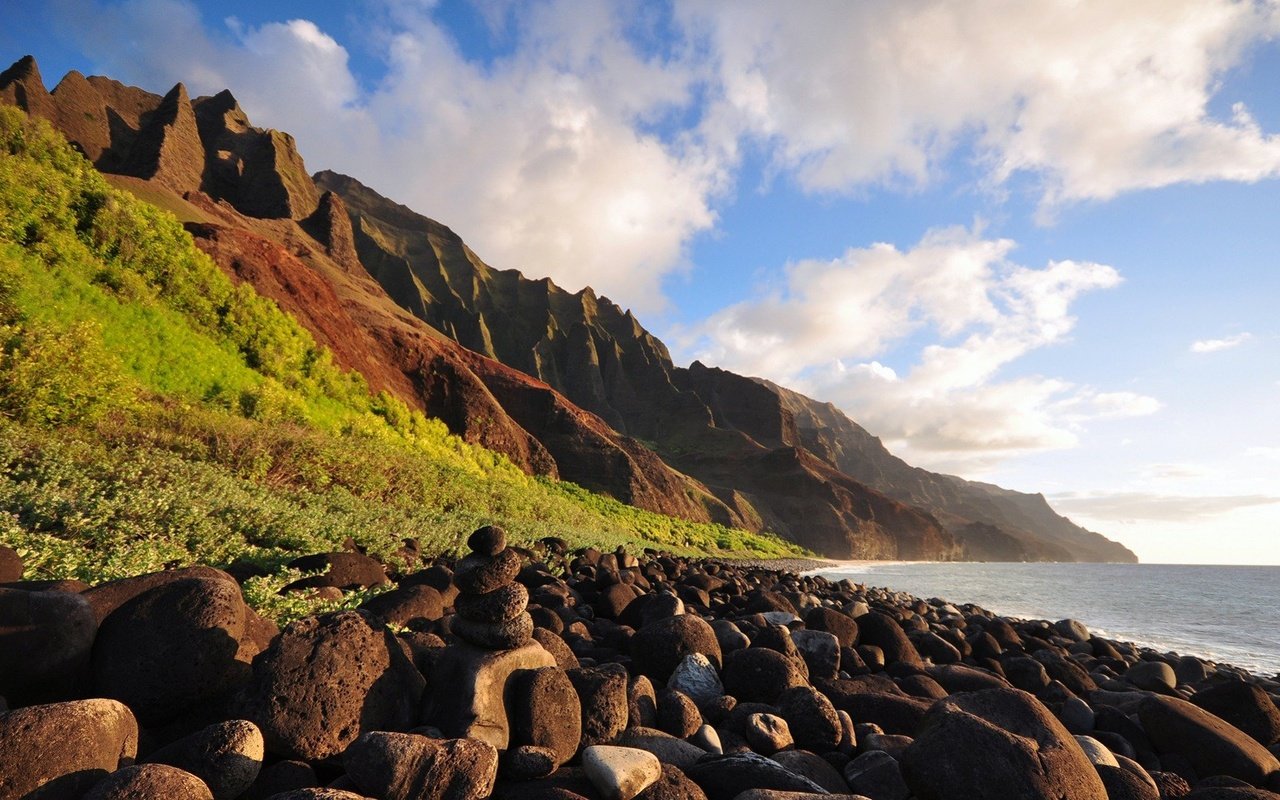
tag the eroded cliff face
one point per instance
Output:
(801, 467)
(566, 384)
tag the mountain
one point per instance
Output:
(565, 384)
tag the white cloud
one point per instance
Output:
(960, 310)
(1092, 97)
(1138, 506)
(548, 159)
(1214, 345)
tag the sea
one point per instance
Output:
(1229, 614)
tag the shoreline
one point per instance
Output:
(698, 679)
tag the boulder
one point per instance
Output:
(876, 774)
(539, 698)
(172, 647)
(658, 648)
(107, 597)
(341, 570)
(642, 702)
(811, 717)
(1121, 784)
(46, 639)
(325, 680)
(814, 767)
(63, 749)
(406, 604)
(1154, 676)
(837, 623)
(758, 674)
(1209, 744)
(11, 566)
(526, 762)
(620, 773)
(227, 756)
(282, 776)
(317, 793)
(150, 782)
(405, 766)
(727, 776)
(677, 714)
(602, 694)
(882, 631)
(477, 574)
(1245, 706)
(473, 691)
(997, 743)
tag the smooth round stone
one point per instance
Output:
(495, 635)
(620, 773)
(500, 605)
(1154, 676)
(477, 574)
(767, 733)
(487, 541)
(707, 738)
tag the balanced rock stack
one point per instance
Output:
(491, 604)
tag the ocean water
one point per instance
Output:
(1227, 614)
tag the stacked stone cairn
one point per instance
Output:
(491, 604)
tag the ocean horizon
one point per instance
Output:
(1225, 613)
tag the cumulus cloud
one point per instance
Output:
(960, 310)
(1146, 506)
(1090, 97)
(596, 147)
(1214, 345)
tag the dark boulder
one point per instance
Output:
(997, 743)
(227, 756)
(841, 625)
(602, 694)
(325, 680)
(725, 777)
(812, 718)
(172, 647)
(45, 642)
(406, 604)
(758, 674)
(657, 648)
(882, 631)
(539, 701)
(1209, 744)
(341, 570)
(1245, 706)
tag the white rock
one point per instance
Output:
(780, 617)
(1097, 752)
(620, 773)
(696, 676)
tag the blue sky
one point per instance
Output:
(1035, 244)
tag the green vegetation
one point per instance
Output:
(153, 413)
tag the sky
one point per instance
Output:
(1028, 243)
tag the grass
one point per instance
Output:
(153, 413)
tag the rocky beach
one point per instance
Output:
(541, 672)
